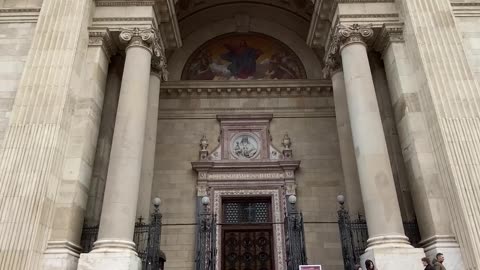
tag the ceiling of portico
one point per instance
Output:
(301, 8)
(292, 14)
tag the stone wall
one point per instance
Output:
(310, 123)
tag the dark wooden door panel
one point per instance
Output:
(247, 249)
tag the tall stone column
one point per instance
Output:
(145, 193)
(114, 248)
(32, 158)
(387, 246)
(347, 152)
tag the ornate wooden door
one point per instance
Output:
(247, 249)
(247, 234)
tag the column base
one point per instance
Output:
(61, 255)
(111, 254)
(394, 258)
(447, 245)
(110, 260)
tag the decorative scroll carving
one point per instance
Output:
(145, 38)
(353, 34)
(343, 36)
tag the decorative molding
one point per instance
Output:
(102, 38)
(165, 11)
(319, 112)
(355, 33)
(390, 33)
(63, 247)
(378, 37)
(144, 38)
(333, 63)
(278, 212)
(126, 19)
(19, 15)
(124, 3)
(466, 9)
(165, 18)
(159, 66)
(253, 89)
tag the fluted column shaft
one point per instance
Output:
(376, 180)
(31, 163)
(117, 221)
(450, 97)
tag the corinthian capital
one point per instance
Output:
(145, 38)
(159, 67)
(333, 64)
(354, 33)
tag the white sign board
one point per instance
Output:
(310, 267)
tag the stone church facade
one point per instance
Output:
(108, 104)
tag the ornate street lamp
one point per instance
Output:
(295, 239)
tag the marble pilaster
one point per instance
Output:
(31, 164)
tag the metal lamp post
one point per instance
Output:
(294, 236)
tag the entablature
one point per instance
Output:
(117, 15)
(246, 88)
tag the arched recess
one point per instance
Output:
(178, 59)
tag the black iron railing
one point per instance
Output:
(206, 241)
(146, 238)
(354, 236)
(295, 240)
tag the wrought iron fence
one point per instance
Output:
(295, 240)
(206, 242)
(146, 238)
(354, 236)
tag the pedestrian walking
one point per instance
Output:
(427, 264)
(439, 263)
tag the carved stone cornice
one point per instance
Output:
(19, 15)
(468, 8)
(164, 17)
(102, 38)
(144, 38)
(247, 89)
(389, 34)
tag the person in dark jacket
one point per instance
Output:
(427, 264)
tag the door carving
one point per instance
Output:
(247, 234)
(247, 249)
